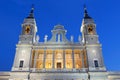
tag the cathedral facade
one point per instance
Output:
(59, 58)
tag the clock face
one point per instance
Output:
(27, 29)
(90, 29)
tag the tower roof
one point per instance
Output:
(59, 27)
(31, 14)
(86, 16)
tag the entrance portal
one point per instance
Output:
(59, 65)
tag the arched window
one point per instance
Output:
(21, 64)
(96, 63)
(59, 37)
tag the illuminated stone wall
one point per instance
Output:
(58, 59)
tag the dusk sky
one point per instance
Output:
(69, 13)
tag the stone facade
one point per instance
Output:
(59, 58)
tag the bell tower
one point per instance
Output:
(91, 42)
(29, 29)
(26, 41)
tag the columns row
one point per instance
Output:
(77, 57)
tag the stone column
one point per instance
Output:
(44, 58)
(53, 59)
(35, 58)
(73, 58)
(82, 58)
(64, 60)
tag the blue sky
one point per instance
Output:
(69, 13)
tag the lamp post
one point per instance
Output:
(29, 76)
(88, 76)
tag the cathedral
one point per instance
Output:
(59, 58)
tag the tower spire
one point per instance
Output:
(31, 14)
(86, 16)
